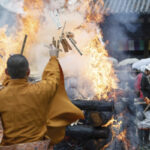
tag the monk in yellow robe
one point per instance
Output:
(32, 112)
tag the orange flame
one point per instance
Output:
(115, 128)
(110, 122)
(93, 10)
(122, 137)
(100, 69)
(28, 24)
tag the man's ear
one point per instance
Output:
(28, 72)
(6, 71)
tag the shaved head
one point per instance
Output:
(17, 66)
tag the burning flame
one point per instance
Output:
(27, 24)
(100, 69)
(92, 8)
(115, 128)
(122, 136)
(113, 122)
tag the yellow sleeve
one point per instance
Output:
(50, 77)
(51, 70)
(62, 112)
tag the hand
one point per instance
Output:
(147, 100)
(54, 51)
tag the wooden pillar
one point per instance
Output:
(146, 50)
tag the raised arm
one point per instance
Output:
(51, 74)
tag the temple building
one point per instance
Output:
(126, 27)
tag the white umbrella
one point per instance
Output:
(15, 6)
(142, 68)
(128, 61)
(140, 63)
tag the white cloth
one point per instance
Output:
(145, 123)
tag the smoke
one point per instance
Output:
(15, 6)
(119, 30)
(76, 82)
(48, 30)
(73, 64)
(38, 53)
(7, 18)
(69, 12)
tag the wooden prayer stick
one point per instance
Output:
(54, 42)
(24, 43)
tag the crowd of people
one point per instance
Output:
(137, 81)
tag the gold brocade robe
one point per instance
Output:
(29, 112)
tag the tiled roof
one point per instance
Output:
(126, 6)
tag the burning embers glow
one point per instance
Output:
(116, 128)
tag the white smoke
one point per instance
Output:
(74, 66)
(72, 63)
(119, 28)
(15, 6)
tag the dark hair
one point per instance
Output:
(17, 66)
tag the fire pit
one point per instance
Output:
(107, 125)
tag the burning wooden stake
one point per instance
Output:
(70, 37)
(24, 43)
(54, 42)
(58, 42)
(66, 46)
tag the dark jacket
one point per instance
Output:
(145, 86)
